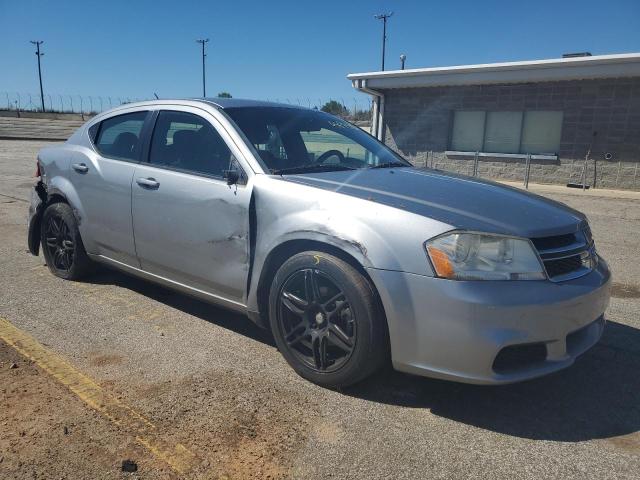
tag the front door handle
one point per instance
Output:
(149, 183)
(80, 167)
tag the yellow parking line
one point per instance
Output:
(177, 456)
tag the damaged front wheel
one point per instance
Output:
(61, 243)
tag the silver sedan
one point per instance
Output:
(317, 231)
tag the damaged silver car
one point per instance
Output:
(322, 234)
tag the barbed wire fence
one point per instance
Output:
(353, 109)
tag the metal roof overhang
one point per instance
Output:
(601, 66)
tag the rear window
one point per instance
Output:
(119, 137)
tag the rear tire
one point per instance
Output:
(61, 243)
(327, 320)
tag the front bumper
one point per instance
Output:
(461, 330)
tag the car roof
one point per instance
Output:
(224, 103)
(219, 103)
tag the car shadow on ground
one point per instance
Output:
(597, 397)
(191, 305)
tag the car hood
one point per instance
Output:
(460, 201)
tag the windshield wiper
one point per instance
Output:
(319, 167)
(390, 165)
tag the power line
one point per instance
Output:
(37, 43)
(204, 85)
(383, 17)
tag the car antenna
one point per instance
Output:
(156, 95)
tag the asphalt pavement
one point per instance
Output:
(213, 382)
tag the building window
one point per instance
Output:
(541, 132)
(506, 132)
(502, 132)
(468, 131)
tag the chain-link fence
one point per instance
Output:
(592, 172)
(352, 109)
(59, 103)
(518, 168)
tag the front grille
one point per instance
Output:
(559, 241)
(563, 266)
(566, 256)
(586, 230)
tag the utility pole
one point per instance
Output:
(37, 43)
(403, 57)
(383, 17)
(204, 86)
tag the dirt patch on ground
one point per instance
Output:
(630, 443)
(623, 290)
(240, 426)
(47, 432)
(103, 360)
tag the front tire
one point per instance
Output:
(327, 320)
(61, 243)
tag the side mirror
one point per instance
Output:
(231, 176)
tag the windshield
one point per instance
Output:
(292, 140)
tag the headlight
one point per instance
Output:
(479, 256)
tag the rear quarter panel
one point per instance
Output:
(56, 162)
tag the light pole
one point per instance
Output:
(403, 57)
(204, 86)
(37, 43)
(383, 17)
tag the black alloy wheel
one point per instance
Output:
(62, 246)
(59, 243)
(327, 319)
(317, 320)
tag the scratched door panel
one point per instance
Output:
(193, 230)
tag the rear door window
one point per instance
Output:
(119, 136)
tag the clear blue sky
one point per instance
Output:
(287, 48)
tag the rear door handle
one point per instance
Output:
(149, 183)
(80, 167)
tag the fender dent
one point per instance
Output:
(338, 241)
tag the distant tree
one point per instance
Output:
(335, 108)
(361, 115)
(224, 95)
